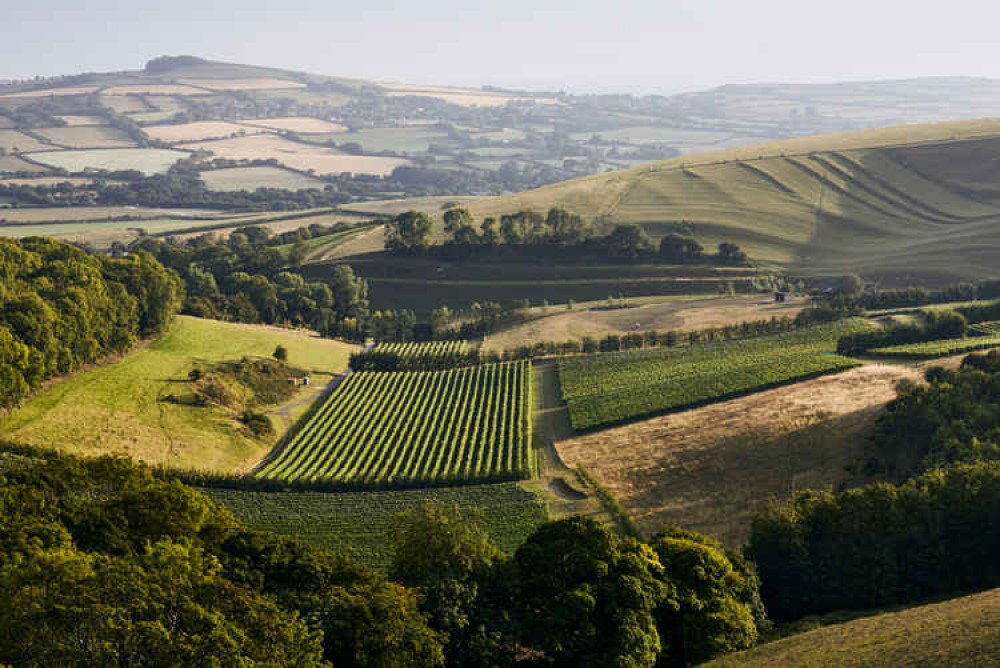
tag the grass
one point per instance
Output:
(436, 427)
(958, 632)
(95, 213)
(86, 137)
(117, 407)
(297, 155)
(198, 131)
(300, 124)
(943, 348)
(10, 163)
(887, 202)
(16, 141)
(244, 84)
(611, 388)
(146, 160)
(74, 121)
(362, 523)
(400, 140)
(251, 178)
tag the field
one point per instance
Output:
(884, 202)
(943, 348)
(13, 141)
(429, 427)
(86, 137)
(152, 89)
(74, 121)
(46, 181)
(400, 140)
(85, 213)
(46, 92)
(611, 388)
(10, 163)
(297, 155)
(251, 178)
(301, 124)
(198, 131)
(362, 523)
(418, 350)
(392, 207)
(710, 469)
(961, 632)
(146, 160)
(124, 104)
(244, 84)
(119, 408)
(465, 97)
(991, 328)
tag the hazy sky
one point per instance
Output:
(580, 45)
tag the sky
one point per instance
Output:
(637, 46)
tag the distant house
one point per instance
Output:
(780, 297)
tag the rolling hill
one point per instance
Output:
(902, 204)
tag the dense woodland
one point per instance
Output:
(61, 309)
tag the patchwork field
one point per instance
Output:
(119, 407)
(362, 523)
(960, 632)
(251, 178)
(146, 160)
(47, 92)
(199, 131)
(297, 155)
(299, 124)
(432, 427)
(124, 104)
(399, 140)
(711, 469)
(73, 121)
(152, 89)
(244, 84)
(13, 164)
(13, 141)
(610, 388)
(463, 97)
(86, 137)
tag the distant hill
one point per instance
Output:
(903, 204)
(959, 632)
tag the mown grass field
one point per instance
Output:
(86, 137)
(362, 523)
(612, 388)
(958, 632)
(887, 202)
(199, 131)
(146, 160)
(118, 407)
(13, 141)
(301, 124)
(423, 427)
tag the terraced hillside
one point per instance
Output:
(897, 202)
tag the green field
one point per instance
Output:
(991, 328)
(251, 178)
(398, 140)
(146, 160)
(612, 388)
(118, 407)
(362, 523)
(943, 348)
(422, 427)
(885, 202)
(958, 632)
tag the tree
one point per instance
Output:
(675, 248)
(730, 253)
(280, 353)
(408, 233)
(627, 242)
(850, 285)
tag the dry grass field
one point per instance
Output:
(146, 160)
(300, 124)
(10, 163)
(959, 633)
(251, 178)
(48, 92)
(152, 89)
(124, 104)
(464, 97)
(710, 469)
(298, 156)
(199, 131)
(243, 84)
(118, 407)
(13, 141)
(86, 137)
(47, 181)
(392, 207)
(83, 213)
(73, 121)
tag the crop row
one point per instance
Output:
(385, 429)
(414, 349)
(943, 348)
(616, 387)
(991, 328)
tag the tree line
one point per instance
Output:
(61, 308)
(556, 235)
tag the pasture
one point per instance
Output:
(250, 178)
(51, 92)
(119, 407)
(612, 388)
(362, 523)
(44, 214)
(463, 97)
(73, 121)
(243, 84)
(13, 164)
(297, 155)
(399, 140)
(423, 427)
(199, 131)
(957, 632)
(710, 469)
(14, 141)
(300, 124)
(145, 160)
(86, 137)
(151, 89)
(124, 104)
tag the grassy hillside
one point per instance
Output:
(894, 202)
(959, 632)
(118, 407)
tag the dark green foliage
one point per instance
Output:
(61, 308)
(936, 325)
(281, 353)
(408, 233)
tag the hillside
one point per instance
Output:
(899, 204)
(959, 632)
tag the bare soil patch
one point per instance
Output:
(711, 469)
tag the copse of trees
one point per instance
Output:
(556, 235)
(934, 325)
(61, 308)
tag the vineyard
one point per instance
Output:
(943, 348)
(431, 356)
(613, 388)
(416, 428)
(362, 523)
(991, 328)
